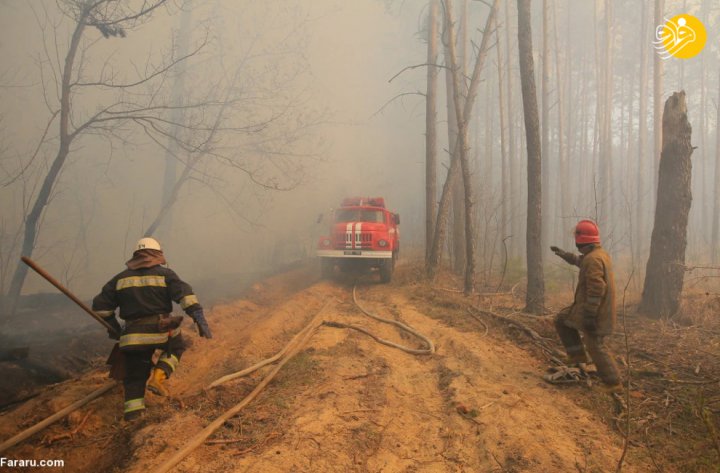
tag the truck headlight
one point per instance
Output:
(383, 243)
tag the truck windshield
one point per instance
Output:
(359, 215)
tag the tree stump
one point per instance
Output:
(666, 265)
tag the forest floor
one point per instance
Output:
(348, 403)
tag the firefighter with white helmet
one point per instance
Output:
(593, 310)
(144, 293)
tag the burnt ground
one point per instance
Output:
(346, 403)
(51, 340)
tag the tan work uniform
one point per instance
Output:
(594, 297)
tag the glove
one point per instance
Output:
(202, 325)
(117, 329)
(557, 251)
(590, 321)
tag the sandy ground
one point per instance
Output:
(346, 403)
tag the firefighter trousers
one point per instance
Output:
(569, 328)
(138, 365)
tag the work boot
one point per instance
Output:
(133, 415)
(155, 384)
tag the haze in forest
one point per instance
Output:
(326, 99)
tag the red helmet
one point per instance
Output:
(587, 231)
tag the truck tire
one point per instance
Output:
(327, 267)
(386, 270)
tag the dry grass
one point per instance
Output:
(675, 379)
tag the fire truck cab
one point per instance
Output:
(363, 235)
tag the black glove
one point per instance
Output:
(202, 325)
(117, 329)
(590, 321)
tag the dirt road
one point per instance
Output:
(345, 403)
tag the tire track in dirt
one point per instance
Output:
(361, 406)
(527, 425)
(378, 409)
(357, 418)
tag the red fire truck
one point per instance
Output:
(363, 235)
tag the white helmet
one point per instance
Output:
(148, 244)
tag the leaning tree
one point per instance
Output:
(124, 101)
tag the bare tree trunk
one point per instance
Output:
(574, 121)
(666, 264)
(605, 145)
(563, 140)
(584, 171)
(182, 39)
(545, 121)
(658, 72)
(536, 285)
(512, 141)
(504, 194)
(459, 250)
(628, 156)
(32, 220)
(462, 149)
(456, 232)
(444, 205)
(642, 136)
(599, 107)
(704, 156)
(715, 241)
(431, 126)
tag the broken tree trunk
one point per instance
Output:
(666, 264)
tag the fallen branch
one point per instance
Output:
(505, 262)
(271, 436)
(68, 435)
(540, 341)
(690, 381)
(480, 321)
(225, 441)
(11, 442)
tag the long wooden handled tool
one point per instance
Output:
(65, 291)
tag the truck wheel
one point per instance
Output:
(386, 270)
(326, 268)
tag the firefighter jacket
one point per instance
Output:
(595, 291)
(143, 296)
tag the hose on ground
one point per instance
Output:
(430, 347)
(11, 442)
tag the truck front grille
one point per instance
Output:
(360, 240)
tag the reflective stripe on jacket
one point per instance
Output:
(144, 292)
(144, 340)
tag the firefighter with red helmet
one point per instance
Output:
(593, 310)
